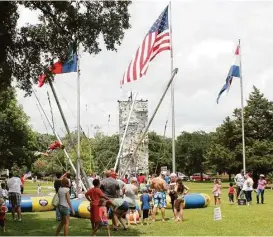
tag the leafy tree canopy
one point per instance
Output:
(28, 51)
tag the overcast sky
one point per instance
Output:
(205, 34)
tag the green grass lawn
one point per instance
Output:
(254, 220)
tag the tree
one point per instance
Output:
(160, 149)
(225, 152)
(30, 50)
(104, 151)
(17, 141)
(191, 150)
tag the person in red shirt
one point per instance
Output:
(94, 195)
(140, 178)
(231, 193)
(52, 147)
(23, 183)
(2, 214)
(125, 179)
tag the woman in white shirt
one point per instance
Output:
(130, 192)
(64, 205)
(248, 188)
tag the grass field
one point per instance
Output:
(254, 220)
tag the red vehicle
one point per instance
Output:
(197, 177)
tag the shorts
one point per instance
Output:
(64, 211)
(2, 223)
(15, 199)
(160, 200)
(145, 214)
(103, 223)
(124, 207)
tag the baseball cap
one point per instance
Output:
(261, 175)
(173, 175)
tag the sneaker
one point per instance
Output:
(19, 220)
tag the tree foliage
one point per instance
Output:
(17, 140)
(28, 51)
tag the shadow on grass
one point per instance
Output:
(44, 224)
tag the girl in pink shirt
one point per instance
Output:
(261, 188)
(216, 192)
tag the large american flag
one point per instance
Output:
(156, 41)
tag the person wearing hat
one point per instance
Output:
(260, 189)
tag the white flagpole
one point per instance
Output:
(172, 92)
(78, 122)
(242, 110)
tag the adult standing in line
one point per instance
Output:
(110, 188)
(14, 185)
(248, 188)
(140, 178)
(261, 188)
(160, 187)
(57, 185)
(173, 178)
(239, 179)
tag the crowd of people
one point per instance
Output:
(114, 198)
(244, 188)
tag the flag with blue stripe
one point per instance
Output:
(234, 71)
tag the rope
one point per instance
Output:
(48, 97)
(42, 118)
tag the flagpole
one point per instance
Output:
(172, 93)
(242, 110)
(78, 122)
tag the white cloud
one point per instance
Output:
(205, 34)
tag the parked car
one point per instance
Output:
(182, 176)
(197, 177)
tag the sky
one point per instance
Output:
(205, 35)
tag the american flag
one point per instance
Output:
(156, 41)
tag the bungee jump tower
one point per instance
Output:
(137, 123)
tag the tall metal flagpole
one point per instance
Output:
(172, 93)
(78, 122)
(242, 110)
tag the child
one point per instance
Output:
(2, 214)
(215, 191)
(220, 191)
(150, 193)
(39, 189)
(103, 219)
(143, 186)
(180, 191)
(52, 147)
(231, 192)
(4, 192)
(145, 205)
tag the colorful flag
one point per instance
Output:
(58, 68)
(234, 71)
(156, 41)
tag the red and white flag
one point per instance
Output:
(156, 41)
